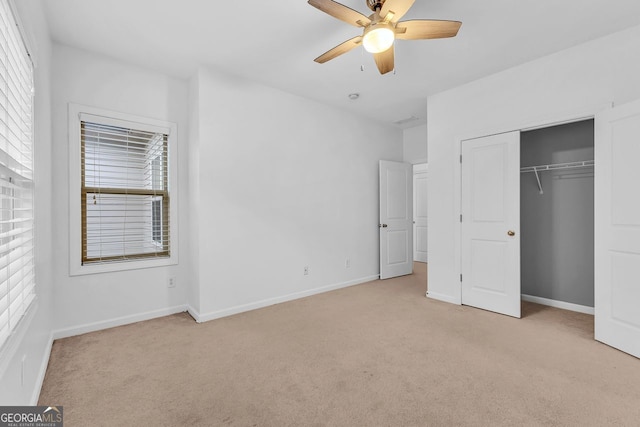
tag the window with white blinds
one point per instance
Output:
(124, 192)
(17, 282)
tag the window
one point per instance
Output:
(17, 281)
(126, 209)
(124, 191)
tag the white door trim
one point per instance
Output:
(420, 167)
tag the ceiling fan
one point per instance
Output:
(381, 28)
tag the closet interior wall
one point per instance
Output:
(557, 226)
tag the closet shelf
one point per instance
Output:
(555, 166)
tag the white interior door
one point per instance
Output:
(617, 232)
(420, 213)
(490, 223)
(396, 231)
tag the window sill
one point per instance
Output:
(80, 270)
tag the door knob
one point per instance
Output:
(383, 225)
(511, 233)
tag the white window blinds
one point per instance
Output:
(16, 176)
(124, 192)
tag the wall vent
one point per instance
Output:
(405, 121)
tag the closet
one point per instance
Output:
(527, 219)
(551, 215)
(557, 216)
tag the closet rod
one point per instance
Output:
(555, 166)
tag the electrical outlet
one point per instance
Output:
(306, 270)
(347, 263)
(171, 282)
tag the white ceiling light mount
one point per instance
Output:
(354, 96)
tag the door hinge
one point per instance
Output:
(460, 158)
(460, 217)
(460, 277)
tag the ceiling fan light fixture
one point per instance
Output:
(378, 37)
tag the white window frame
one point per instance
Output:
(78, 113)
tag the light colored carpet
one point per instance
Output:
(377, 354)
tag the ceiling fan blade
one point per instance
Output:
(419, 29)
(384, 60)
(339, 50)
(397, 7)
(341, 12)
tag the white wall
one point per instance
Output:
(32, 339)
(576, 82)
(92, 302)
(284, 182)
(415, 145)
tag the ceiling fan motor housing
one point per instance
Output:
(375, 5)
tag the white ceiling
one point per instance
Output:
(275, 43)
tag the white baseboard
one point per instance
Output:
(42, 371)
(558, 304)
(118, 321)
(193, 313)
(442, 297)
(204, 317)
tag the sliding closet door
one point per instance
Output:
(491, 222)
(617, 222)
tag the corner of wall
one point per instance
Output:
(414, 144)
(193, 292)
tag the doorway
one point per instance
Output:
(420, 225)
(557, 216)
(528, 219)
